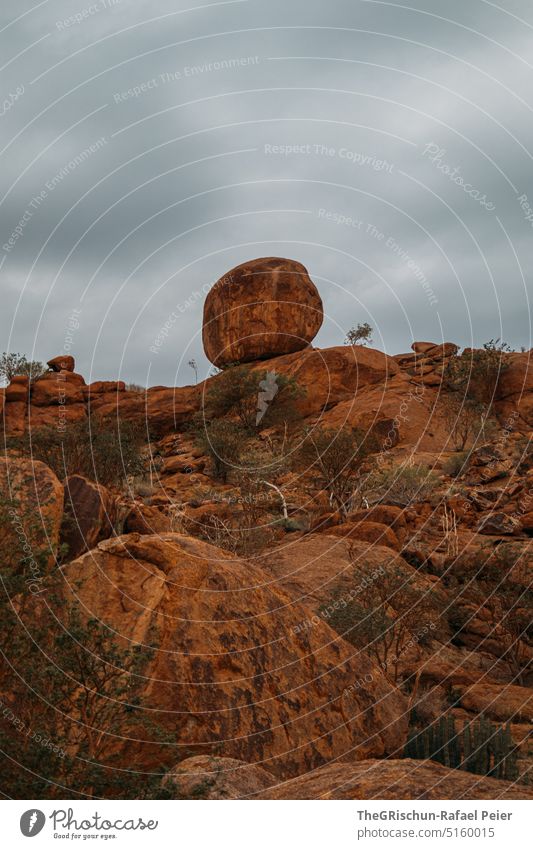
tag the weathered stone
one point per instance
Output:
(261, 309)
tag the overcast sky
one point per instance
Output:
(388, 147)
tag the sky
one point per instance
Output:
(149, 147)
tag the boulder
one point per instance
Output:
(18, 389)
(33, 499)
(328, 376)
(501, 703)
(57, 388)
(371, 532)
(516, 379)
(230, 675)
(90, 515)
(395, 779)
(499, 524)
(310, 569)
(62, 363)
(144, 519)
(441, 351)
(422, 347)
(101, 387)
(205, 777)
(261, 309)
(15, 417)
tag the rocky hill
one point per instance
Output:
(308, 576)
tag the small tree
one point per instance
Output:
(465, 419)
(100, 449)
(360, 335)
(224, 442)
(237, 393)
(336, 458)
(401, 485)
(386, 616)
(474, 375)
(13, 365)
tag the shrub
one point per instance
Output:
(475, 374)
(336, 458)
(75, 694)
(401, 485)
(99, 449)
(224, 442)
(456, 464)
(239, 393)
(385, 615)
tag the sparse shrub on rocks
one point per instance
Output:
(223, 441)
(457, 464)
(386, 616)
(401, 485)
(474, 374)
(234, 394)
(102, 450)
(335, 458)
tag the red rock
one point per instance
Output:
(62, 363)
(144, 519)
(206, 777)
(311, 568)
(261, 309)
(90, 515)
(385, 514)
(101, 387)
(36, 498)
(371, 532)
(516, 379)
(441, 351)
(328, 376)
(57, 388)
(232, 676)
(395, 779)
(18, 389)
(423, 347)
(165, 410)
(499, 702)
(54, 416)
(15, 416)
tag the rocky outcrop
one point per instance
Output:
(62, 363)
(32, 500)
(261, 309)
(395, 779)
(206, 777)
(90, 515)
(231, 673)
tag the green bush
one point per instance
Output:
(234, 394)
(401, 485)
(457, 464)
(99, 449)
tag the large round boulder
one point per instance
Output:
(261, 309)
(234, 672)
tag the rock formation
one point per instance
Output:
(261, 309)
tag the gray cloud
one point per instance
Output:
(182, 184)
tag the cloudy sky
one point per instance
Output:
(148, 146)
